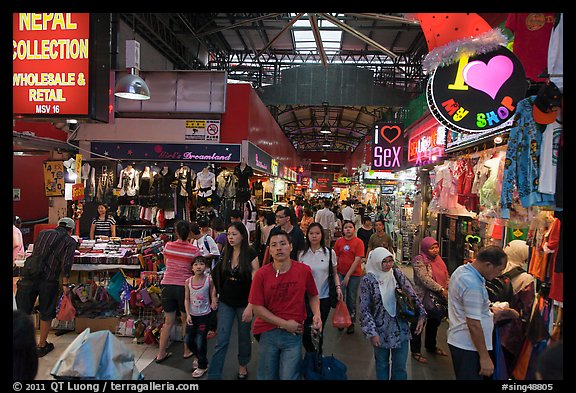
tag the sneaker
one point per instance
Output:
(350, 329)
(45, 350)
(199, 372)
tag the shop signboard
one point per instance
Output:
(259, 159)
(202, 130)
(58, 60)
(192, 152)
(274, 167)
(477, 95)
(428, 146)
(388, 150)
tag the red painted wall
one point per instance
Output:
(247, 118)
(28, 176)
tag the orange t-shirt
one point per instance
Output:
(347, 251)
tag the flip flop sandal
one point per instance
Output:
(419, 358)
(168, 354)
(199, 372)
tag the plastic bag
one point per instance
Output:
(341, 316)
(67, 311)
(96, 356)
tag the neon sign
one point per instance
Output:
(388, 146)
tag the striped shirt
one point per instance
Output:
(178, 258)
(103, 227)
(59, 261)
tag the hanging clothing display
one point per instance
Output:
(105, 185)
(258, 192)
(549, 158)
(205, 184)
(184, 180)
(522, 167)
(226, 184)
(489, 195)
(128, 181)
(163, 181)
(250, 215)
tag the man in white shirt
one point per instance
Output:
(347, 212)
(327, 219)
(471, 317)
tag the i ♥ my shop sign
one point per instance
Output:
(388, 147)
(477, 94)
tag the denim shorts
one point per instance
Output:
(27, 291)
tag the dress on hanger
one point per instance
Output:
(128, 183)
(146, 181)
(163, 180)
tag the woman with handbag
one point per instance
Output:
(431, 280)
(318, 257)
(380, 317)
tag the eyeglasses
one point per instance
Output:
(277, 216)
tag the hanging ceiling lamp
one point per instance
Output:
(131, 86)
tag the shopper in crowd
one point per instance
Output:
(200, 301)
(325, 217)
(104, 224)
(347, 211)
(299, 211)
(388, 218)
(179, 256)
(380, 238)
(371, 213)
(512, 331)
(57, 246)
(318, 256)
(350, 251)
(430, 275)
(471, 319)
(278, 294)
(218, 232)
(364, 232)
(209, 249)
(284, 222)
(237, 216)
(338, 223)
(18, 252)
(232, 279)
(24, 356)
(269, 223)
(388, 333)
(550, 363)
(359, 217)
(306, 220)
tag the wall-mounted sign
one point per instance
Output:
(477, 94)
(274, 167)
(202, 130)
(428, 146)
(168, 151)
(54, 178)
(15, 194)
(388, 189)
(56, 58)
(388, 146)
(259, 159)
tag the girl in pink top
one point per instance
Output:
(178, 258)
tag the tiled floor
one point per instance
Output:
(354, 350)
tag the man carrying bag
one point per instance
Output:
(56, 249)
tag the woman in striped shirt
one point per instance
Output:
(104, 224)
(178, 258)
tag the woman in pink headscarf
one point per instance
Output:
(430, 274)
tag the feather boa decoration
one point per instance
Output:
(451, 53)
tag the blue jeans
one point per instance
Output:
(399, 357)
(280, 355)
(351, 294)
(226, 316)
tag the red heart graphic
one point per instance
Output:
(397, 131)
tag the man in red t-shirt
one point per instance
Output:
(278, 294)
(350, 251)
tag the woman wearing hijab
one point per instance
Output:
(388, 333)
(430, 274)
(512, 332)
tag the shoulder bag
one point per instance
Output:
(435, 305)
(331, 282)
(405, 304)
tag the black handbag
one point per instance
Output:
(435, 305)
(331, 282)
(405, 304)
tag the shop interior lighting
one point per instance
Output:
(131, 86)
(498, 140)
(324, 159)
(325, 144)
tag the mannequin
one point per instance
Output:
(243, 173)
(184, 181)
(128, 181)
(163, 180)
(146, 181)
(205, 184)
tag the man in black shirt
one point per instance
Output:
(57, 248)
(365, 231)
(284, 216)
